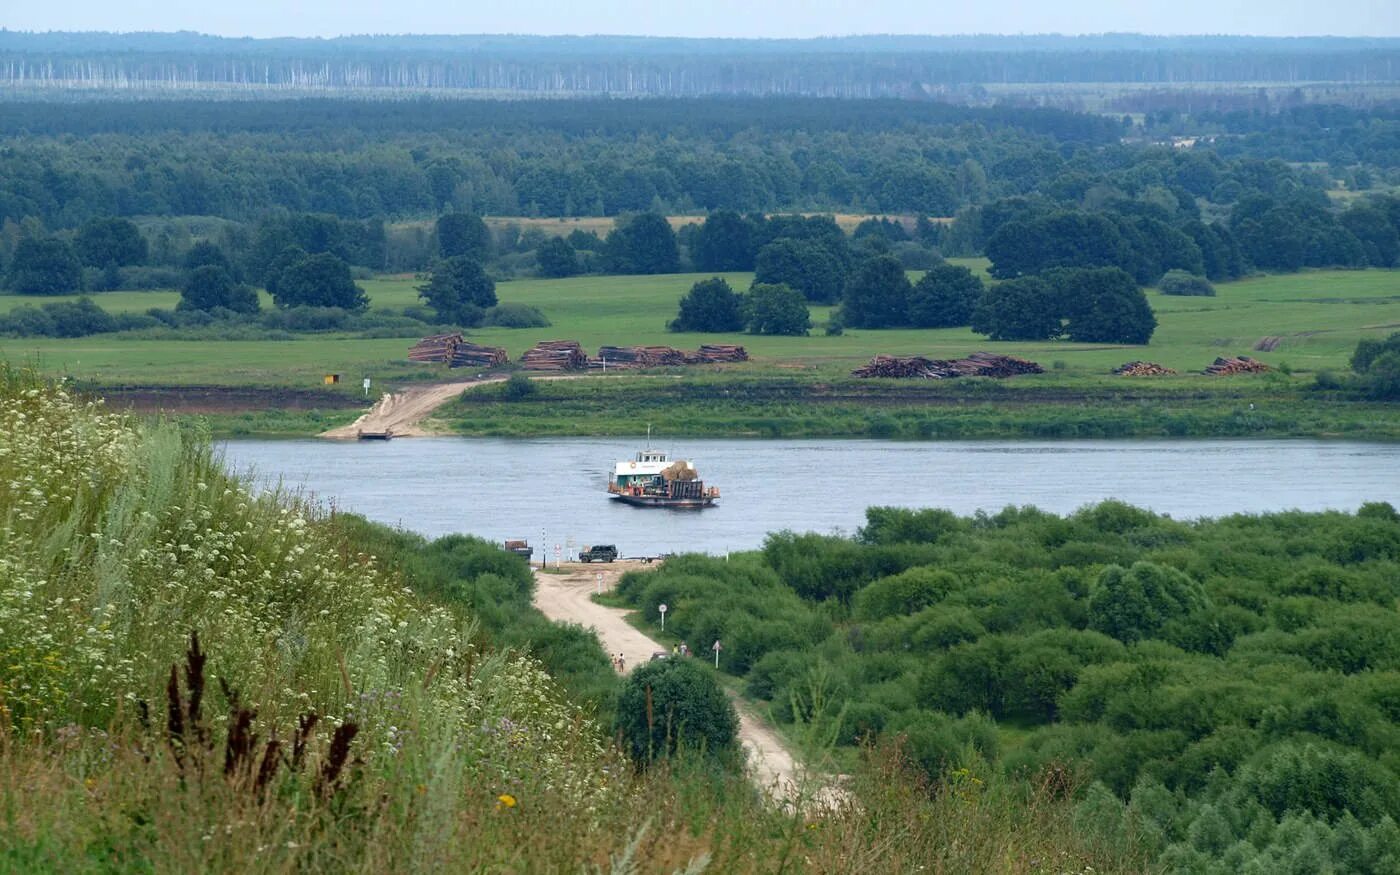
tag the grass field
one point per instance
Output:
(1319, 317)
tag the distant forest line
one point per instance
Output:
(863, 67)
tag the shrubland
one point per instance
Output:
(197, 678)
(1227, 688)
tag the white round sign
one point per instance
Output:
(661, 608)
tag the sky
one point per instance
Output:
(712, 18)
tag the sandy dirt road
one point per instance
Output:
(566, 598)
(403, 412)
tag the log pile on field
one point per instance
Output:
(1143, 369)
(978, 364)
(457, 352)
(555, 355)
(1223, 367)
(711, 353)
(639, 356)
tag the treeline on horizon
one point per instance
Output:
(851, 67)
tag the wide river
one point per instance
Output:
(553, 489)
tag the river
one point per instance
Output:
(552, 489)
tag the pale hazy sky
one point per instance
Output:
(701, 18)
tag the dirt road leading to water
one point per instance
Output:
(402, 412)
(566, 598)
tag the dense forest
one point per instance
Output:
(836, 67)
(1227, 690)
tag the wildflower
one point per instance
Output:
(505, 800)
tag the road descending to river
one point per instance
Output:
(565, 598)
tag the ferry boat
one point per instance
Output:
(653, 479)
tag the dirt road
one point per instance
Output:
(402, 412)
(566, 598)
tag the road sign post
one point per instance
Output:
(662, 609)
(366, 385)
(600, 583)
(716, 648)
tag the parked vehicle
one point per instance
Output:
(598, 553)
(520, 548)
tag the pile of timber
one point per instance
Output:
(978, 364)
(718, 352)
(638, 356)
(555, 355)
(1143, 369)
(455, 351)
(1223, 367)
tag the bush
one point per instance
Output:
(776, 310)
(675, 704)
(519, 387)
(45, 266)
(710, 306)
(1179, 282)
(515, 316)
(944, 297)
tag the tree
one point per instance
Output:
(1179, 282)
(945, 297)
(459, 290)
(710, 305)
(1377, 362)
(464, 235)
(210, 286)
(1018, 309)
(643, 244)
(101, 242)
(557, 258)
(320, 281)
(804, 265)
(279, 265)
(675, 704)
(770, 309)
(877, 294)
(1134, 603)
(724, 241)
(1378, 237)
(1101, 305)
(206, 253)
(1063, 239)
(45, 266)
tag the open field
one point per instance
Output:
(1318, 318)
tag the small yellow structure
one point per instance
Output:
(331, 379)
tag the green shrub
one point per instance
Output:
(1179, 282)
(519, 388)
(672, 705)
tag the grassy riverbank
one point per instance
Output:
(1046, 406)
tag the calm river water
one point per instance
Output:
(553, 489)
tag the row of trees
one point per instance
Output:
(712, 306)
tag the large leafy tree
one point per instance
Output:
(1135, 603)
(206, 253)
(1061, 239)
(1019, 309)
(643, 244)
(1102, 305)
(724, 241)
(945, 297)
(209, 287)
(557, 258)
(459, 290)
(808, 266)
(112, 240)
(320, 280)
(770, 309)
(45, 266)
(463, 234)
(877, 294)
(710, 305)
(1377, 235)
(675, 704)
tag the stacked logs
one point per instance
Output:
(978, 364)
(455, 351)
(434, 348)
(1143, 369)
(1223, 367)
(555, 355)
(711, 353)
(470, 355)
(639, 356)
